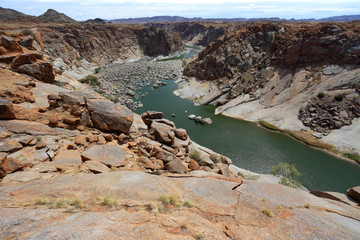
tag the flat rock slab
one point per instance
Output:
(96, 167)
(34, 128)
(109, 155)
(218, 207)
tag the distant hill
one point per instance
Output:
(166, 19)
(344, 18)
(10, 14)
(95, 21)
(52, 15)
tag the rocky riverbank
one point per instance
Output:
(74, 164)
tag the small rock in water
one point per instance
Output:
(206, 121)
(173, 115)
(198, 119)
(192, 116)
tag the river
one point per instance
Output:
(252, 147)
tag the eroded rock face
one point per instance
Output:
(6, 109)
(40, 70)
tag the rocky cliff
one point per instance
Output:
(274, 72)
(102, 44)
(197, 33)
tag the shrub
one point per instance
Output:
(27, 32)
(353, 156)
(290, 182)
(42, 201)
(339, 98)
(321, 95)
(286, 170)
(213, 157)
(92, 80)
(97, 70)
(196, 155)
(307, 205)
(188, 204)
(76, 203)
(268, 212)
(109, 201)
(38, 139)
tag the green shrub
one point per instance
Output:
(286, 170)
(339, 98)
(268, 212)
(97, 70)
(109, 201)
(27, 32)
(321, 95)
(188, 204)
(213, 157)
(290, 182)
(353, 156)
(91, 80)
(76, 203)
(196, 155)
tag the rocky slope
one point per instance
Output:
(275, 72)
(147, 178)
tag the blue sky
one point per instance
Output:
(112, 9)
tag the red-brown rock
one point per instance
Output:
(6, 109)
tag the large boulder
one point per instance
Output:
(8, 42)
(163, 133)
(10, 147)
(108, 116)
(354, 192)
(23, 59)
(8, 165)
(42, 71)
(96, 167)
(110, 155)
(6, 109)
(72, 98)
(175, 166)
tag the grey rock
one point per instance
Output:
(109, 155)
(96, 167)
(192, 116)
(206, 121)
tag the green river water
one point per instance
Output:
(252, 147)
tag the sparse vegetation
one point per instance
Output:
(109, 202)
(353, 156)
(199, 236)
(215, 158)
(269, 126)
(196, 155)
(169, 200)
(339, 98)
(76, 202)
(42, 201)
(60, 84)
(268, 212)
(27, 32)
(91, 80)
(170, 58)
(288, 172)
(188, 204)
(97, 70)
(321, 95)
(184, 225)
(38, 139)
(307, 205)
(57, 204)
(113, 99)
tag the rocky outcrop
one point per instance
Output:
(195, 32)
(91, 42)
(52, 15)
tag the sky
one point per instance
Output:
(114, 9)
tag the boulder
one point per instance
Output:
(192, 116)
(40, 145)
(71, 98)
(27, 42)
(147, 163)
(206, 121)
(8, 42)
(155, 115)
(108, 116)
(163, 133)
(193, 165)
(181, 133)
(42, 71)
(23, 59)
(96, 167)
(162, 154)
(10, 147)
(9, 165)
(6, 109)
(175, 166)
(198, 119)
(335, 196)
(109, 155)
(354, 192)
